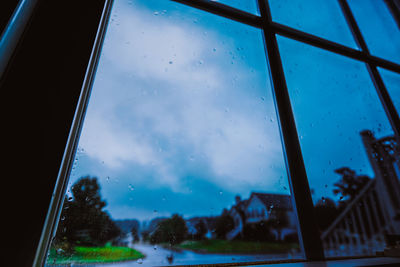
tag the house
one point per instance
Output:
(262, 207)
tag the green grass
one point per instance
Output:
(94, 255)
(238, 247)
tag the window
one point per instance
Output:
(186, 139)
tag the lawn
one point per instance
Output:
(94, 255)
(238, 247)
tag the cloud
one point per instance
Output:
(167, 98)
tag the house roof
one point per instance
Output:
(275, 200)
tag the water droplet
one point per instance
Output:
(131, 187)
(140, 261)
(271, 120)
(155, 247)
(164, 198)
(170, 62)
(214, 49)
(155, 211)
(156, 13)
(220, 192)
(262, 98)
(326, 186)
(201, 62)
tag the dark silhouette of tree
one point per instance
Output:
(201, 230)
(278, 221)
(172, 231)
(349, 185)
(224, 225)
(83, 221)
(135, 234)
(326, 212)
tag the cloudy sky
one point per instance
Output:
(181, 117)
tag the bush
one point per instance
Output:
(260, 231)
(172, 231)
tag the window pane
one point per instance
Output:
(351, 169)
(378, 28)
(392, 82)
(245, 5)
(181, 135)
(321, 18)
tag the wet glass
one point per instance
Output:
(392, 83)
(180, 160)
(321, 18)
(343, 132)
(250, 6)
(378, 28)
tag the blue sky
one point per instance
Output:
(181, 117)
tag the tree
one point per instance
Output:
(172, 230)
(201, 230)
(279, 220)
(350, 184)
(224, 225)
(83, 221)
(135, 234)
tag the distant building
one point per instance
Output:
(262, 207)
